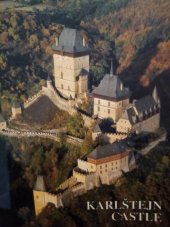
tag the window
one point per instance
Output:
(69, 88)
(108, 103)
(101, 172)
(105, 170)
(61, 86)
(61, 75)
(108, 111)
(99, 101)
(91, 167)
(98, 108)
(100, 167)
(106, 165)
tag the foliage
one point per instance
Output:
(75, 126)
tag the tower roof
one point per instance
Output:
(70, 41)
(40, 185)
(1, 118)
(111, 88)
(48, 78)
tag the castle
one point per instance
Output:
(111, 100)
(102, 166)
(106, 163)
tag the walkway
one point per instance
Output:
(50, 134)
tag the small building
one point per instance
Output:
(110, 97)
(42, 197)
(16, 109)
(105, 163)
(142, 115)
(71, 63)
(2, 123)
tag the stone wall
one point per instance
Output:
(33, 99)
(149, 125)
(70, 182)
(113, 137)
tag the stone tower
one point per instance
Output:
(71, 63)
(110, 97)
(39, 194)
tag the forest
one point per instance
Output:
(136, 35)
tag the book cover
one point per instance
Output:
(84, 113)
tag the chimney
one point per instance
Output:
(111, 68)
(57, 41)
(121, 86)
(84, 41)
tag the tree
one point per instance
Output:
(75, 126)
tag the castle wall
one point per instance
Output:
(123, 125)
(149, 125)
(33, 99)
(57, 100)
(78, 189)
(41, 199)
(67, 183)
(113, 137)
(66, 72)
(83, 165)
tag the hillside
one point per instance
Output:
(134, 33)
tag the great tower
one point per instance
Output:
(71, 63)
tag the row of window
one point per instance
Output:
(98, 109)
(108, 103)
(106, 170)
(62, 87)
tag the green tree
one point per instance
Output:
(75, 126)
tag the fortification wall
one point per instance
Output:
(149, 125)
(109, 137)
(33, 99)
(78, 189)
(70, 182)
(82, 165)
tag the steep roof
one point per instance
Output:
(97, 128)
(140, 107)
(144, 104)
(111, 87)
(70, 41)
(108, 150)
(40, 185)
(1, 118)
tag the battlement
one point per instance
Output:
(111, 138)
(33, 99)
